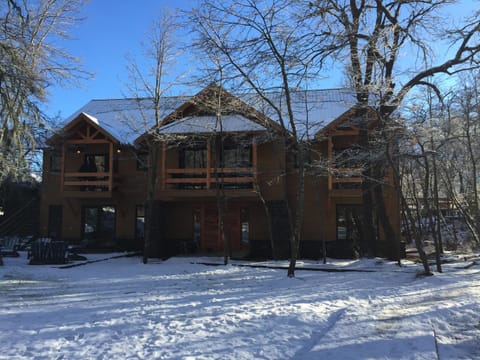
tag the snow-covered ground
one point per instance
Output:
(123, 309)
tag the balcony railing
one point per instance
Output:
(205, 178)
(345, 179)
(88, 181)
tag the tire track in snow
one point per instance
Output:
(318, 335)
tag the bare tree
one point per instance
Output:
(148, 85)
(459, 171)
(263, 50)
(30, 62)
(370, 36)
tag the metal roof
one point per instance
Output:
(127, 119)
(209, 124)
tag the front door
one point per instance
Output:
(210, 228)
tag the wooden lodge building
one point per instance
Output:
(109, 160)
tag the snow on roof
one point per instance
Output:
(94, 119)
(127, 119)
(313, 109)
(207, 124)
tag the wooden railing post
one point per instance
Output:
(254, 160)
(110, 170)
(164, 165)
(62, 169)
(330, 162)
(209, 163)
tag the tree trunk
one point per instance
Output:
(299, 205)
(149, 213)
(387, 227)
(368, 227)
(269, 223)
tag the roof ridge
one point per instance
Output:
(246, 93)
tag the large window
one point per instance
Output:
(194, 157)
(55, 162)
(237, 155)
(348, 222)
(99, 226)
(142, 161)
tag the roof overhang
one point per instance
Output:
(66, 133)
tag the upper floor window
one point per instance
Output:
(237, 155)
(194, 157)
(142, 161)
(351, 158)
(55, 162)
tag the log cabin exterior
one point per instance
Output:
(234, 163)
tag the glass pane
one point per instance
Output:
(348, 222)
(140, 222)
(99, 226)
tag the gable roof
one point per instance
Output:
(208, 99)
(347, 121)
(71, 127)
(209, 124)
(127, 119)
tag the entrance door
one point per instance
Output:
(210, 228)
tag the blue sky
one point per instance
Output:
(110, 30)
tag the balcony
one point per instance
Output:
(87, 184)
(201, 179)
(345, 182)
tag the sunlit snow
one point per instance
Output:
(180, 309)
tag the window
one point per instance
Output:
(140, 222)
(142, 161)
(348, 222)
(193, 158)
(197, 227)
(237, 155)
(350, 158)
(99, 226)
(55, 162)
(244, 227)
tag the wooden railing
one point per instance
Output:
(344, 176)
(87, 181)
(204, 178)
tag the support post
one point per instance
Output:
(209, 163)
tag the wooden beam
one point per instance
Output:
(88, 141)
(94, 134)
(209, 163)
(164, 165)
(62, 169)
(254, 160)
(348, 180)
(88, 183)
(110, 178)
(329, 159)
(86, 174)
